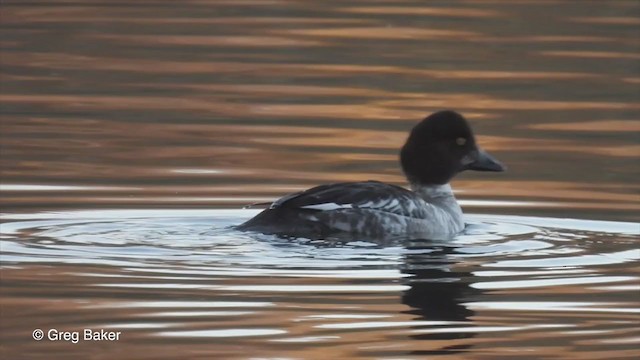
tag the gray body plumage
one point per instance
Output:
(369, 210)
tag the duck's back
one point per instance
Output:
(370, 209)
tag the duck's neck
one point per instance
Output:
(440, 196)
(432, 192)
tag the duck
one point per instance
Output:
(437, 149)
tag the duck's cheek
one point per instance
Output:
(467, 161)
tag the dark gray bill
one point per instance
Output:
(484, 162)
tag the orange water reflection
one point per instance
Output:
(218, 104)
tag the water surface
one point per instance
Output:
(133, 133)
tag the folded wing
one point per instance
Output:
(370, 195)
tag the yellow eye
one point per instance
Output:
(461, 141)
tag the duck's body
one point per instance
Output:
(370, 209)
(438, 148)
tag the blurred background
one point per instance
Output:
(216, 104)
(130, 130)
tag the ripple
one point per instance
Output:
(306, 339)
(165, 314)
(34, 187)
(567, 261)
(190, 276)
(483, 329)
(383, 324)
(550, 282)
(317, 288)
(556, 306)
(187, 237)
(184, 304)
(225, 333)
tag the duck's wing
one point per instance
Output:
(370, 195)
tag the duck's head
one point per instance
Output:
(441, 146)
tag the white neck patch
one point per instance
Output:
(428, 192)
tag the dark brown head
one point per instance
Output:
(441, 146)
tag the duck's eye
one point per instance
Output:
(461, 141)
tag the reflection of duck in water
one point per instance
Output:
(437, 293)
(438, 148)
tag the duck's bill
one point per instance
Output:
(484, 162)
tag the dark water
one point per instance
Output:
(132, 133)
